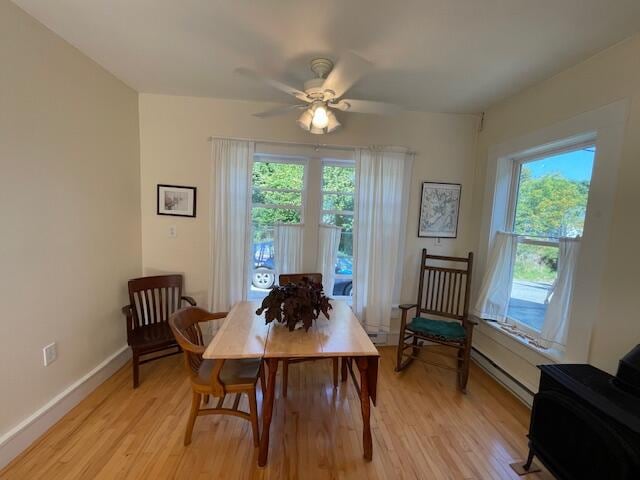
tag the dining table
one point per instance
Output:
(245, 334)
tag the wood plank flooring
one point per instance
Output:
(422, 429)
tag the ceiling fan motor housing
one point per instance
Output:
(321, 67)
(313, 88)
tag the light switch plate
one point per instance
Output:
(173, 231)
(50, 353)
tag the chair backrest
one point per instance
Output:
(185, 326)
(154, 299)
(285, 278)
(444, 289)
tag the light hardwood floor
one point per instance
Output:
(422, 428)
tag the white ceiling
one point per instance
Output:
(433, 55)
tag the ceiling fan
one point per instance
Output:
(324, 93)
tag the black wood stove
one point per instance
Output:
(585, 423)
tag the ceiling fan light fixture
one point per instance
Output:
(320, 115)
(333, 123)
(305, 121)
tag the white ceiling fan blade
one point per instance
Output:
(279, 111)
(366, 106)
(283, 87)
(349, 69)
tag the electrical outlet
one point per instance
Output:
(50, 353)
(173, 231)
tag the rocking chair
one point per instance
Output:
(443, 292)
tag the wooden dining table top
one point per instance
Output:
(244, 334)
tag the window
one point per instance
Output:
(548, 201)
(277, 197)
(338, 192)
(281, 186)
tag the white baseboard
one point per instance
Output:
(502, 377)
(20, 437)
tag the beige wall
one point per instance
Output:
(175, 150)
(70, 221)
(605, 78)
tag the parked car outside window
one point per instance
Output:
(264, 270)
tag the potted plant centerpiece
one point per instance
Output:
(294, 303)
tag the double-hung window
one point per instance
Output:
(277, 197)
(548, 201)
(301, 190)
(338, 205)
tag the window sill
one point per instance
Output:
(555, 355)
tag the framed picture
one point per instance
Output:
(439, 210)
(176, 200)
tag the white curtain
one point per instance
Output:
(556, 320)
(328, 243)
(379, 224)
(493, 299)
(288, 247)
(230, 239)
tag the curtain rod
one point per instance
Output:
(313, 145)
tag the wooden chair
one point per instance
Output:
(283, 279)
(214, 377)
(152, 301)
(443, 292)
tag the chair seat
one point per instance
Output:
(438, 329)
(242, 371)
(155, 334)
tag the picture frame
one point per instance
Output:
(176, 200)
(439, 210)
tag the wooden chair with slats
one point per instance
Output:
(443, 293)
(283, 279)
(152, 301)
(215, 378)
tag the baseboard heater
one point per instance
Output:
(521, 391)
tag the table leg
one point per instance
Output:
(343, 368)
(363, 364)
(267, 411)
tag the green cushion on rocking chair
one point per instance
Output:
(440, 329)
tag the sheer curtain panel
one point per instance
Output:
(556, 320)
(288, 248)
(230, 239)
(328, 243)
(493, 299)
(381, 179)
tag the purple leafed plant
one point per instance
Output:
(295, 302)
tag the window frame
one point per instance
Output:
(604, 126)
(518, 161)
(301, 209)
(258, 158)
(347, 163)
(309, 210)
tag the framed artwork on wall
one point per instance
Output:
(439, 210)
(176, 200)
